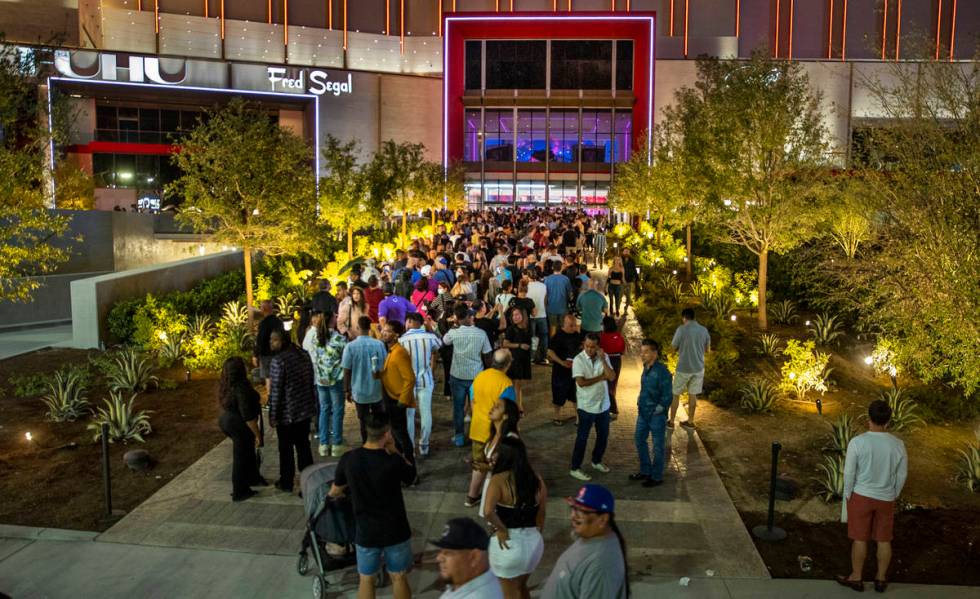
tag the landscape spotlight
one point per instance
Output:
(868, 360)
(734, 318)
(807, 323)
(28, 436)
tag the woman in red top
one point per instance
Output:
(422, 296)
(614, 346)
(373, 296)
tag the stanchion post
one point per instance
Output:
(770, 532)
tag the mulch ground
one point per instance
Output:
(56, 479)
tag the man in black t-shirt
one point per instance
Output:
(373, 476)
(562, 349)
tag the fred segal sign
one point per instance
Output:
(315, 81)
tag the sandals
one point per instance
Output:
(854, 585)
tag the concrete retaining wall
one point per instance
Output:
(92, 298)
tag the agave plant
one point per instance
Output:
(285, 304)
(672, 287)
(125, 424)
(904, 410)
(129, 371)
(969, 467)
(841, 433)
(200, 326)
(234, 313)
(702, 292)
(237, 336)
(758, 395)
(832, 478)
(825, 329)
(171, 350)
(769, 345)
(721, 304)
(65, 397)
(783, 312)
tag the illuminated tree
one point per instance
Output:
(74, 188)
(346, 203)
(398, 177)
(247, 182)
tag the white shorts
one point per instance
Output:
(688, 382)
(526, 546)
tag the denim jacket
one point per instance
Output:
(655, 390)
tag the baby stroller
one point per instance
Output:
(329, 526)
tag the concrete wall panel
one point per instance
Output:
(411, 111)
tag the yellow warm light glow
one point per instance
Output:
(28, 436)
(162, 335)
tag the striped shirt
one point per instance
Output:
(420, 344)
(469, 344)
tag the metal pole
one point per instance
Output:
(769, 532)
(106, 473)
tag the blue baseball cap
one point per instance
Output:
(594, 497)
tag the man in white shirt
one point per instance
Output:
(464, 563)
(592, 371)
(538, 292)
(874, 473)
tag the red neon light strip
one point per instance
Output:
(738, 18)
(285, 22)
(884, 29)
(776, 54)
(439, 2)
(401, 25)
(345, 24)
(613, 5)
(830, 31)
(792, 7)
(671, 18)
(205, 9)
(387, 28)
(952, 34)
(939, 26)
(156, 19)
(330, 15)
(843, 34)
(685, 26)
(222, 19)
(898, 30)
(269, 12)
(139, 5)
(569, 5)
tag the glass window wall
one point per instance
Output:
(563, 135)
(499, 134)
(624, 64)
(596, 136)
(531, 142)
(516, 64)
(471, 133)
(474, 59)
(498, 191)
(623, 136)
(581, 64)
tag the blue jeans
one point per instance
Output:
(655, 425)
(586, 421)
(331, 413)
(460, 389)
(541, 332)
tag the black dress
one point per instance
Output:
(243, 407)
(520, 367)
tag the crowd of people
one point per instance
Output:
(486, 301)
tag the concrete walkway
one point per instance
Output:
(23, 341)
(37, 563)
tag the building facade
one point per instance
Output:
(538, 99)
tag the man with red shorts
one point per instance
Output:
(874, 473)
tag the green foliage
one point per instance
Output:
(784, 312)
(200, 325)
(842, 431)
(884, 358)
(831, 480)
(745, 289)
(720, 362)
(904, 410)
(263, 288)
(171, 350)
(155, 323)
(128, 370)
(758, 395)
(724, 396)
(825, 329)
(721, 304)
(345, 198)
(769, 345)
(805, 369)
(968, 471)
(209, 346)
(125, 424)
(28, 385)
(65, 400)
(285, 304)
(672, 287)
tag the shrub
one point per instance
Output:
(200, 325)
(841, 433)
(65, 399)
(171, 350)
(883, 359)
(156, 322)
(745, 289)
(128, 370)
(28, 385)
(757, 395)
(720, 362)
(783, 312)
(724, 396)
(285, 304)
(672, 287)
(825, 329)
(805, 369)
(769, 345)
(125, 424)
(969, 466)
(721, 304)
(904, 410)
(831, 479)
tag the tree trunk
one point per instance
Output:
(433, 211)
(690, 254)
(763, 273)
(660, 227)
(404, 224)
(350, 241)
(247, 253)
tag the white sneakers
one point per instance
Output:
(323, 450)
(580, 475)
(337, 450)
(600, 467)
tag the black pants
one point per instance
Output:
(244, 469)
(398, 418)
(562, 389)
(617, 365)
(446, 357)
(363, 410)
(293, 436)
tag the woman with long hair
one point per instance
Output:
(615, 280)
(517, 338)
(326, 348)
(240, 412)
(515, 507)
(422, 296)
(353, 307)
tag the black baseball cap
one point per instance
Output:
(463, 533)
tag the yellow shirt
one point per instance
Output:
(398, 378)
(488, 386)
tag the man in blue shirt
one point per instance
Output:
(651, 414)
(362, 361)
(559, 290)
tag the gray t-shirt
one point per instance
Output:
(589, 569)
(691, 340)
